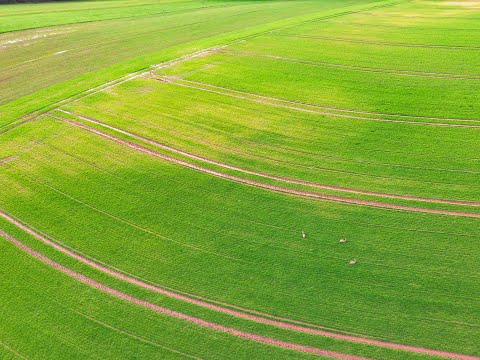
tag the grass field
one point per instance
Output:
(160, 160)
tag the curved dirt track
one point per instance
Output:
(190, 298)
(229, 311)
(345, 113)
(383, 43)
(273, 177)
(378, 70)
(293, 192)
(175, 314)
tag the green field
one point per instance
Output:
(160, 161)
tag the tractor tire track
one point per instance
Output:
(272, 177)
(381, 43)
(102, 87)
(426, 74)
(326, 111)
(178, 315)
(201, 303)
(357, 24)
(333, 108)
(274, 188)
(201, 140)
(161, 289)
(394, 15)
(119, 274)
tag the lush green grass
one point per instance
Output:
(413, 63)
(350, 89)
(377, 156)
(215, 255)
(370, 56)
(23, 17)
(40, 72)
(48, 315)
(64, 52)
(148, 330)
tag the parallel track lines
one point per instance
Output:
(381, 43)
(317, 109)
(201, 303)
(273, 177)
(297, 193)
(178, 315)
(378, 70)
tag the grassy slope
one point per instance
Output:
(358, 154)
(106, 46)
(342, 88)
(48, 315)
(28, 16)
(66, 182)
(404, 266)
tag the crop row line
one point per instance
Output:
(380, 43)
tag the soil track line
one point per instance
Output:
(137, 74)
(7, 160)
(358, 24)
(394, 15)
(380, 43)
(293, 192)
(176, 294)
(175, 314)
(344, 113)
(332, 108)
(102, 87)
(273, 177)
(378, 70)
(228, 311)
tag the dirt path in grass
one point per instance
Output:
(229, 309)
(313, 108)
(252, 143)
(175, 314)
(297, 193)
(273, 177)
(6, 160)
(235, 313)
